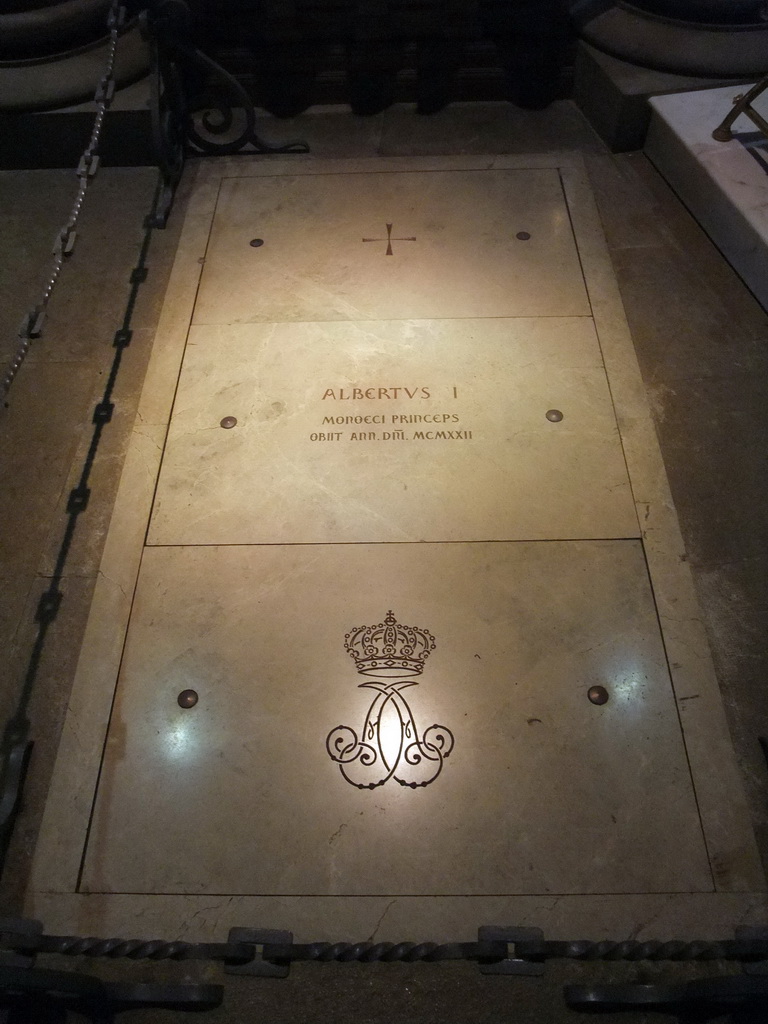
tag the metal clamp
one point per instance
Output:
(48, 605)
(102, 413)
(512, 964)
(78, 499)
(32, 324)
(116, 19)
(122, 338)
(89, 164)
(259, 937)
(65, 242)
(105, 91)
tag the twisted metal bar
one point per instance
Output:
(384, 952)
(131, 949)
(13, 936)
(729, 949)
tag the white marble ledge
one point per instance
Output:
(693, 116)
(721, 183)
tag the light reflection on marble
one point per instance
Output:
(543, 792)
(510, 475)
(466, 260)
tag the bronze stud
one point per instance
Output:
(228, 422)
(187, 698)
(554, 415)
(598, 694)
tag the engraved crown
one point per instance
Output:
(389, 649)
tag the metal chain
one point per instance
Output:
(534, 951)
(26, 937)
(384, 952)
(131, 949)
(32, 325)
(30, 943)
(632, 950)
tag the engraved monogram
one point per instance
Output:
(389, 745)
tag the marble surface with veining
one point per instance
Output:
(393, 431)
(544, 792)
(459, 255)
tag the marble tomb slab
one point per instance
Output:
(541, 791)
(402, 245)
(393, 431)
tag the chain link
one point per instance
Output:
(131, 949)
(32, 325)
(751, 945)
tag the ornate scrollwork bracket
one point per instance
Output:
(742, 104)
(223, 128)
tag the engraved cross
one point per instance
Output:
(389, 240)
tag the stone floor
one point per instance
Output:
(700, 340)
